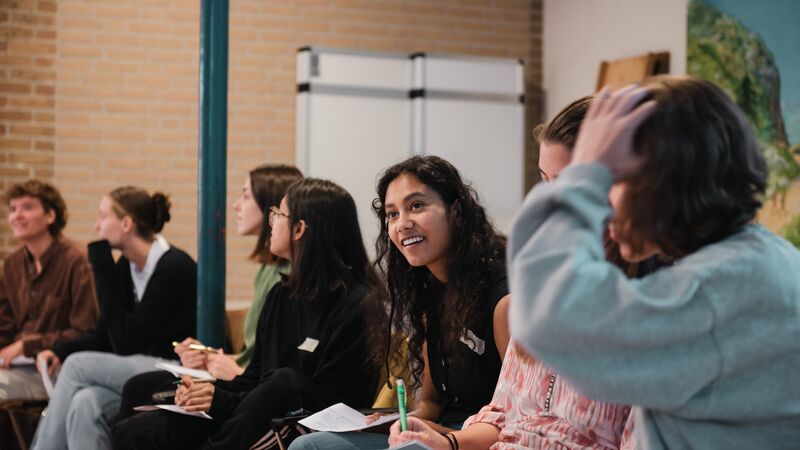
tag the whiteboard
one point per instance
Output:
(472, 114)
(360, 112)
(489, 159)
(353, 122)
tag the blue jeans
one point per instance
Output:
(324, 440)
(86, 399)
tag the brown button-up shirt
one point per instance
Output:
(59, 303)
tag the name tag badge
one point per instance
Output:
(474, 343)
(309, 345)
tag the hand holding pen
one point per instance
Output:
(193, 353)
(194, 395)
(222, 366)
(420, 431)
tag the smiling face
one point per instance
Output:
(109, 226)
(28, 219)
(249, 216)
(418, 223)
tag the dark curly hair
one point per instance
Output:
(50, 198)
(702, 176)
(474, 258)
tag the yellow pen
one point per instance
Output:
(199, 347)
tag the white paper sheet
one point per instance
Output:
(172, 408)
(340, 418)
(178, 370)
(41, 367)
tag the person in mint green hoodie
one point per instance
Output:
(264, 187)
(708, 350)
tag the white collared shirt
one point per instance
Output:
(141, 278)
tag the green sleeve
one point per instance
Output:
(266, 277)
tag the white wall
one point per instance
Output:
(578, 34)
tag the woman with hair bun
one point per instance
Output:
(147, 300)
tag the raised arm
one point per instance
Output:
(153, 322)
(615, 339)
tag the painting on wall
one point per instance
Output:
(749, 49)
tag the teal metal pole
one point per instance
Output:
(212, 177)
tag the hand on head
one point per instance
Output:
(606, 135)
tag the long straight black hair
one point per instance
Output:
(331, 253)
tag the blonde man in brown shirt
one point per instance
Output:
(46, 291)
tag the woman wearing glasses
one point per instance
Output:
(263, 189)
(310, 349)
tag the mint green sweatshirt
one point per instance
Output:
(707, 351)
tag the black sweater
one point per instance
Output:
(166, 313)
(334, 370)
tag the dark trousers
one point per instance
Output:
(279, 392)
(139, 390)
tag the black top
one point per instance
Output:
(466, 380)
(166, 313)
(322, 343)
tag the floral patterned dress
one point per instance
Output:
(534, 408)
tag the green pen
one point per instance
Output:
(401, 404)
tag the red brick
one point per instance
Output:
(44, 145)
(32, 130)
(14, 172)
(15, 88)
(15, 144)
(45, 89)
(15, 116)
(47, 6)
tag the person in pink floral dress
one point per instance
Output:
(532, 407)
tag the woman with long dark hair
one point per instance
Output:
(310, 350)
(444, 266)
(533, 406)
(263, 188)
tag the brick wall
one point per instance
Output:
(27, 75)
(125, 84)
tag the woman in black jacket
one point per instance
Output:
(147, 300)
(310, 350)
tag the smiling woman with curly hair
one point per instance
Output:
(444, 267)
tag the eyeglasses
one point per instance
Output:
(273, 213)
